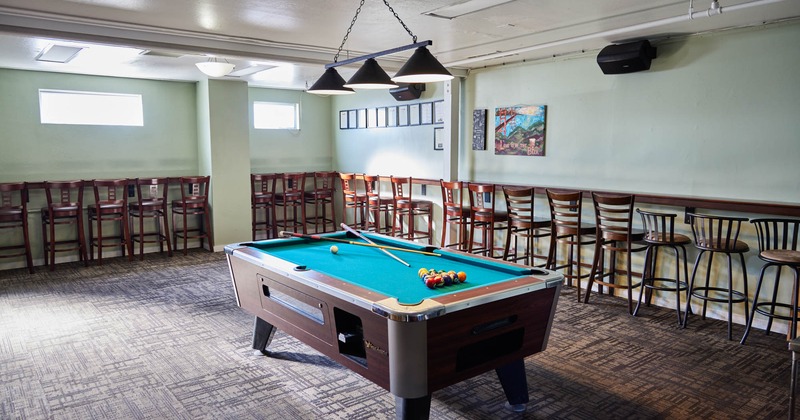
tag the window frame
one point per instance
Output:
(88, 115)
(296, 115)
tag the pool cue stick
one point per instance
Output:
(323, 238)
(369, 241)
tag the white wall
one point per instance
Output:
(398, 151)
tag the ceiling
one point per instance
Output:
(291, 40)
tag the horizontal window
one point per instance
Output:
(90, 108)
(276, 116)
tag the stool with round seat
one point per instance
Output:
(523, 223)
(193, 202)
(778, 241)
(405, 206)
(717, 235)
(614, 234)
(454, 213)
(152, 205)
(64, 208)
(485, 218)
(659, 233)
(568, 228)
(262, 205)
(110, 206)
(14, 215)
(320, 198)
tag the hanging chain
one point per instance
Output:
(353, 22)
(413, 37)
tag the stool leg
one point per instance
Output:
(792, 384)
(755, 305)
(677, 282)
(646, 275)
(776, 283)
(689, 289)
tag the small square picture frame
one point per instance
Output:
(426, 113)
(413, 114)
(362, 118)
(438, 138)
(438, 112)
(352, 118)
(402, 116)
(391, 116)
(343, 122)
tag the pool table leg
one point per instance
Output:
(515, 384)
(412, 408)
(262, 335)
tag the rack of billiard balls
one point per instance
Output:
(440, 278)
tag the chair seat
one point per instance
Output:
(108, 208)
(263, 198)
(781, 256)
(727, 246)
(178, 205)
(637, 235)
(497, 217)
(10, 214)
(661, 239)
(585, 229)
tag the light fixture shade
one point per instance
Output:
(422, 67)
(370, 76)
(215, 68)
(330, 83)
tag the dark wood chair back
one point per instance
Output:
(717, 233)
(613, 216)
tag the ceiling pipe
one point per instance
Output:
(618, 31)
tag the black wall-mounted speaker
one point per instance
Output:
(408, 92)
(626, 58)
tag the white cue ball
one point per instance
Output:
(334, 249)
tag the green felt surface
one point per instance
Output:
(370, 268)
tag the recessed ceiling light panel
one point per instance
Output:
(58, 53)
(467, 7)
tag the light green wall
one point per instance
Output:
(165, 146)
(399, 151)
(716, 116)
(308, 149)
(229, 145)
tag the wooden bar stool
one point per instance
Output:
(64, 208)
(567, 228)
(110, 206)
(321, 200)
(522, 223)
(377, 204)
(485, 218)
(14, 215)
(291, 200)
(353, 199)
(454, 212)
(193, 202)
(778, 247)
(262, 203)
(659, 232)
(405, 206)
(152, 204)
(718, 235)
(614, 234)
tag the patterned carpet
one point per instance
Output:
(163, 339)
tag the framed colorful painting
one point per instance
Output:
(520, 130)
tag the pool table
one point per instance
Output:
(374, 315)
